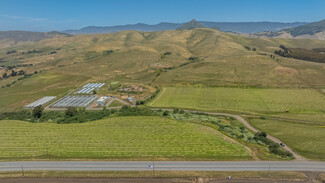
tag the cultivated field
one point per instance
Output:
(305, 138)
(304, 108)
(118, 138)
(241, 100)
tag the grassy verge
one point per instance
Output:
(115, 103)
(283, 175)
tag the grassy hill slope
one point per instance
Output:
(310, 28)
(178, 57)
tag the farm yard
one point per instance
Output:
(118, 138)
(241, 100)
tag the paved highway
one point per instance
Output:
(165, 165)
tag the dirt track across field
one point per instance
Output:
(247, 125)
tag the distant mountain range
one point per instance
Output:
(314, 30)
(240, 27)
(299, 30)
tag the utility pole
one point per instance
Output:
(22, 170)
(153, 168)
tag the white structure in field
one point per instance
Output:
(101, 101)
(42, 101)
(74, 101)
(90, 87)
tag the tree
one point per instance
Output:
(5, 75)
(176, 111)
(71, 111)
(94, 92)
(21, 72)
(165, 113)
(13, 73)
(104, 108)
(260, 134)
(38, 111)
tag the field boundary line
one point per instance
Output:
(156, 98)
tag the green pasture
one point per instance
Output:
(241, 99)
(305, 138)
(118, 138)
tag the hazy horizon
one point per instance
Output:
(44, 16)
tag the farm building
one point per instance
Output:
(42, 101)
(131, 99)
(101, 101)
(74, 101)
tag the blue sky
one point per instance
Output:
(47, 15)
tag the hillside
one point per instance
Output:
(29, 36)
(310, 28)
(314, 30)
(178, 57)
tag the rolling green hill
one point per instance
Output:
(179, 57)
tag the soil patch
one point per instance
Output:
(285, 71)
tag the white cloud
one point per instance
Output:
(29, 19)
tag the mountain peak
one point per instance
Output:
(191, 25)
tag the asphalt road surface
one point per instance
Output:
(165, 165)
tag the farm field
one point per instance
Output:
(241, 99)
(118, 138)
(306, 139)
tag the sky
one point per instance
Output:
(59, 15)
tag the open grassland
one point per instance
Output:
(305, 138)
(241, 99)
(118, 138)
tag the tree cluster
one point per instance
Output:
(11, 51)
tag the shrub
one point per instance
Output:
(38, 111)
(165, 113)
(175, 111)
(71, 111)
